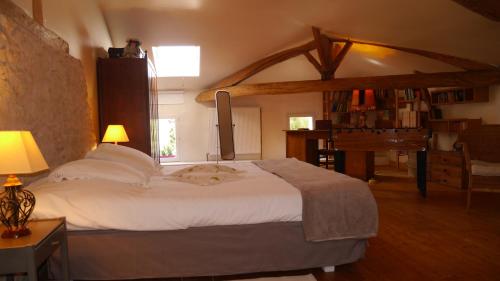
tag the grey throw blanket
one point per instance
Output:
(334, 206)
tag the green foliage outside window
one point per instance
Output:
(169, 149)
(301, 122)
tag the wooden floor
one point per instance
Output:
(421, 239)
(426, 239)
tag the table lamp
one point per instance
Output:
(19, 155)
(115, 133)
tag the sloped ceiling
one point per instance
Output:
(235, 33)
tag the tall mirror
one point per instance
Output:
(225, 125)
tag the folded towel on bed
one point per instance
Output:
(206, 174)
(334, 206)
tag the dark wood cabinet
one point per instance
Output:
(128, 95)
(448, 168)
(303, 144)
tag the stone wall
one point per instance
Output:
(42, 88)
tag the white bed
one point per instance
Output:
(258, 197)
(121, 208)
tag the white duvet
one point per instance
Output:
(258, 197)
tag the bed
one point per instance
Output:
(129, 219)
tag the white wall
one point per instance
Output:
(192, 128)
(275, 111)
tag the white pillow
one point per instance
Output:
(125, 155)
(97, 169)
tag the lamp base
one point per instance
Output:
(9, 234)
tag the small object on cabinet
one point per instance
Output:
(133, 49)
(115, 52)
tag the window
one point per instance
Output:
(300, 122)
(168, 140)
(177, 61)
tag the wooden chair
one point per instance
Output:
(481, 147)
(325, 154)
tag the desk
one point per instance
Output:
(26, 253)
(303, 144)
(365, 141)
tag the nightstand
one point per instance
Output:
(25, 254)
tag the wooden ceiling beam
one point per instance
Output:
(487, 8)
(319, 46)
(340, 56)
(336, 50)
(325, 48)
(423, 80)
(313, 61)
(465, 64)
(262, 64)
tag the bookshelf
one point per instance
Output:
(449, 96)
(389, 110)
(456, 125)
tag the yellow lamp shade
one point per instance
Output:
(19, 153)
(115, 133)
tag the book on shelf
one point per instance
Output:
(407, 95)
(341, 101)
(409, 119)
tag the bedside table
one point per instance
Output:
(26, 253)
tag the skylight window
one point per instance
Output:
(177, 61)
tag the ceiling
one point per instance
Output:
(235, 33)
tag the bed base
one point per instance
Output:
(203, 251)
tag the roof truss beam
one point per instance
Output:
(419, 80)
(465, 64)
(262, 64)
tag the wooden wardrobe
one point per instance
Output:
(128, 95)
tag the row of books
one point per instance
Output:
(344, 101)
(461, 95)
(384, 98)
(341, 101)
(409, 119)
(407, 94)
(440, 97)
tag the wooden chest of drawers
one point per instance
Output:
(447, 167)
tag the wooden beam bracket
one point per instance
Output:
(313, 61)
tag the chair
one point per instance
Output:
(481, 149)
(325, 154)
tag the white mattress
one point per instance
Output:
(167, 205)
